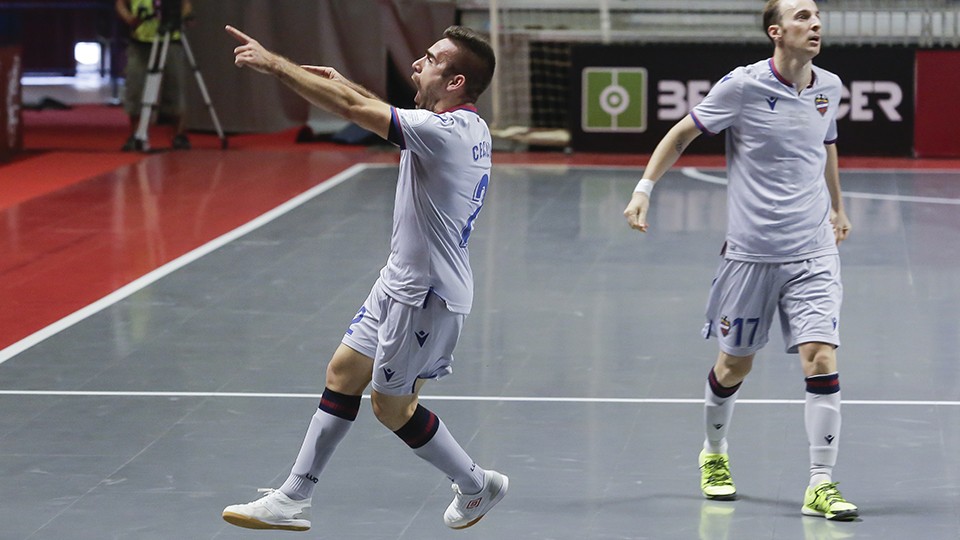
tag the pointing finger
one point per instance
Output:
(240, 36)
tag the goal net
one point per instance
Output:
(530, 98)
(533, 41)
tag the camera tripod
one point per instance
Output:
(151, 87)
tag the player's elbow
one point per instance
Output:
(353, 111)
(347, 104)
(371, 115)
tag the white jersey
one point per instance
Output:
(778, 201)
(444, 172)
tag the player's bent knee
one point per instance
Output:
(349, 372)
(392, 411)
(731, 370)
(818, 358)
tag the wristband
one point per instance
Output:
(644, 186)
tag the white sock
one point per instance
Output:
(446, 454)
(327, 428)
(822, 420)
(429, 438)
(717, 413)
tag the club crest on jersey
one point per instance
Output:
(724, 325)
(822, 104)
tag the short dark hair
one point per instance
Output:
(771, 16)
(475, 62)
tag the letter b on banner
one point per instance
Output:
(614, 99)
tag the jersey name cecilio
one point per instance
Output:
(444, 175)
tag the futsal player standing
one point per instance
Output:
(785, 221)
(407, 328)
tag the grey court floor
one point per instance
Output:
(580, 375)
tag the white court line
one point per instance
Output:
(691, 172)
(138, 284)
(176, 264)
(503, 399)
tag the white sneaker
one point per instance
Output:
(465, 510)
(272, 511)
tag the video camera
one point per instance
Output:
(169, 11)
(171, 14)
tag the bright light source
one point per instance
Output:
(87, 53)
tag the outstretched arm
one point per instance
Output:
(330, 95)
(667, 153)
(838, 216)
(334, 75)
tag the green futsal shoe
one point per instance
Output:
(715, 480)
(825, 500)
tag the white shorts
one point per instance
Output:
(744, 296)
(406, 342)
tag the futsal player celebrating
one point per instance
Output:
(785, 221)
(406, 330)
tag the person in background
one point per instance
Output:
(142, 17)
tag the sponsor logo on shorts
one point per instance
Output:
(422, 337)
(724, 325)
(388, 373)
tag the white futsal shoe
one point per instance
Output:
(272, 511)
(466, 510)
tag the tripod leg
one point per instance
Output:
(151, 88)
(203, 89)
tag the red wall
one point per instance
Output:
(937, 123)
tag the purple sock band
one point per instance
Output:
(340, 405)
(421, 427)
(718, 389)
(823, 384)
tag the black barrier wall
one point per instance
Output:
(624, 98)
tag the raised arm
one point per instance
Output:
(334, 75)
(838, 215)
(667, 153)
(320, 89)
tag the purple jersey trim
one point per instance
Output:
(773, 69)
(395, 135)
(699, 125)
